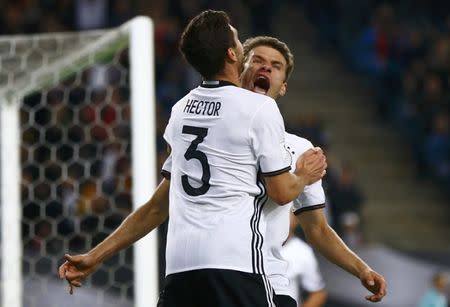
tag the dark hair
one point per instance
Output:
(274, 43)
(205, 41)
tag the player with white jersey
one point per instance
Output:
(223, 141)
(268, 64)
(279, 269)
(220, 167)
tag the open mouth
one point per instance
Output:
(261, 85)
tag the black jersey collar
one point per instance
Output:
(216, 83)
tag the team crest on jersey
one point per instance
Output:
(287, 154)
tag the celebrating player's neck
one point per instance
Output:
(230, 73)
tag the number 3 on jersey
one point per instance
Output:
(193, 153)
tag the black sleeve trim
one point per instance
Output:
(309, 208)
(274, 173)
(165, 174)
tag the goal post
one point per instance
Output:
(40, 157)
(144, 156)
(11, 253)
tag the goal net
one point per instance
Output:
(77, 142)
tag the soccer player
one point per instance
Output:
(267, 66)
(224, 140)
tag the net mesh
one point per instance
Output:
(74, 95)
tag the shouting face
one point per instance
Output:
(265, 72)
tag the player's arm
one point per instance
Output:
(315, 299)
(285, 187)
(139, 223)
(324, 239)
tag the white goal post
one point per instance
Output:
(137, 34)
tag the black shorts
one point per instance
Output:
(284, 301)
(216, 288)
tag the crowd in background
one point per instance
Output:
(403, 49)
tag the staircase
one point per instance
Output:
(399, 211)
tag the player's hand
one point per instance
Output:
(76, 268)
(311, 165)
(375, 283)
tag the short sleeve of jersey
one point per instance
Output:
(268, 140)
(167, 133)
(167, 168)
(311, 278)
(312, 197)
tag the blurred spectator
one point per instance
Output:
(351, 229)
(91, 14)
(110, 157)
(435, 296)
(437, 149)
(346, 199)
(97, 76)
(372, 51)
(433, 100)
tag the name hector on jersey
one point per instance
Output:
(201, 107)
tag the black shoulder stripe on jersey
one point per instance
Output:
(309, 208)
(257, 237)
(274, 173)
(165, 174)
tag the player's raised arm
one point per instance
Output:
(323, 238)
(135, 226)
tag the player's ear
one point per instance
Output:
(283, 89)
(232, 55)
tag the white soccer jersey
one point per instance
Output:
(303, 270)
(220, 137)
(312, 197)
